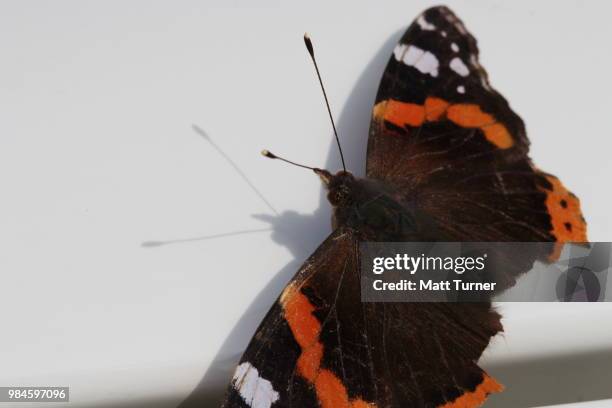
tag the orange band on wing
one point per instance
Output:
(331, 392)
(477, 397)
(401, 113)
(471, 116)
(434, 109)
(566, 216)
(568, 224)
(498, 135)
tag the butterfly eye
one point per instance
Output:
(340, 196)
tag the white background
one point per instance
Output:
(98, 155)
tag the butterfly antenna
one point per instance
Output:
(271, 155)
(310, 49)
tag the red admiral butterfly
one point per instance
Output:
(447, 161)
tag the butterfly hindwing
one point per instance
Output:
(320, 346)
(286, 351)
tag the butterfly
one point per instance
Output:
(447, 160)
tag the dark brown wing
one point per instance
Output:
(320, 346)
(454, 148)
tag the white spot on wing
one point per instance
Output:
(256, 391)
(398, 51)
(454, 47)
(413, 56)
(461, 89)
(443, 34)
(459, 67)
(424, 24)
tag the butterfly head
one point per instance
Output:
(340, 186)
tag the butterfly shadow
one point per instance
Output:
(300, 233)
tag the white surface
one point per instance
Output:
(591, 404)
(98, 155)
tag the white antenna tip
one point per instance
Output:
(267, 154)
(308, 45)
